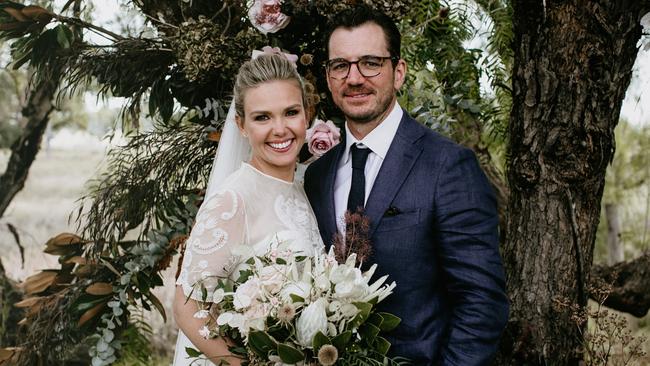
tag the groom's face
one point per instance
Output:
(364, 99)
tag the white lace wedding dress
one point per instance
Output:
(251, 208)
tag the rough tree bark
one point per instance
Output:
(23, 152)
(573, 63)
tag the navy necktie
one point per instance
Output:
(358, 187)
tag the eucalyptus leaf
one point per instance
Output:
(342, 340)
(390, 322)
(320, 340)
(289, 354)
(382, 345)
(261, 343)
(368, 332)
(192, 352)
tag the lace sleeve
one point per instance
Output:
(219, 226)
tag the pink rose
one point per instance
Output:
(322, 136)
(266, 17)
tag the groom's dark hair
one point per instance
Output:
(362, 14)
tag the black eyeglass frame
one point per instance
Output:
(327, 63)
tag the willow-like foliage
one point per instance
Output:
(143, 178)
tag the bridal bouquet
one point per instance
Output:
(288, 309)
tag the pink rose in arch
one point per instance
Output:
(322, 136)
(265, 15)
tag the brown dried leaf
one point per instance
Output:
(39, 282)
(100, 288)
(17, 14)
(58, 245)
(77, 259)
(214, 136)
(35, 12)
(29, 302)
(91, 313)
(8, 355)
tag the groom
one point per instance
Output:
(432, 211)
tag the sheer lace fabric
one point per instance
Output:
(252, 209)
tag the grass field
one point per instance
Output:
(41, 210)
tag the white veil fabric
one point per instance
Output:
(233, 150)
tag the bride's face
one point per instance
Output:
(274, 122)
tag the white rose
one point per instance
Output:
(322, 282)
(300, 288)
(312, 320)
(273, 277)
(246, 293)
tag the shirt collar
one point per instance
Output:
(380, 138)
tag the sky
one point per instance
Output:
(635, 109)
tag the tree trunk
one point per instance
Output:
(573, 63)
(630, 283)
(615, 252)
(23, 152)
(9, 315)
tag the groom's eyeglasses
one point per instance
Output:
(368, 66)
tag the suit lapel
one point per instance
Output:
(328, 214)
(401, 157)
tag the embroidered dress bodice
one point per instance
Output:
(251, 209)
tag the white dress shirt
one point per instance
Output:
(378, 141)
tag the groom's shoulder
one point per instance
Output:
(431, 141)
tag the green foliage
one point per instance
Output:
(144, 181)
(443, 89)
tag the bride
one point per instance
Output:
(255, 203)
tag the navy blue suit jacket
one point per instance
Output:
(441, 248)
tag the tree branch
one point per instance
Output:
(630, 283)
(24, 150)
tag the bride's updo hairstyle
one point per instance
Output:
(263, 69)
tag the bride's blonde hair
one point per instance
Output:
(265, 68)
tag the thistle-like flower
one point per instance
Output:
(327, 355)
(286, 313)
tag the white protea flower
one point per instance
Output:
(312, 320)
